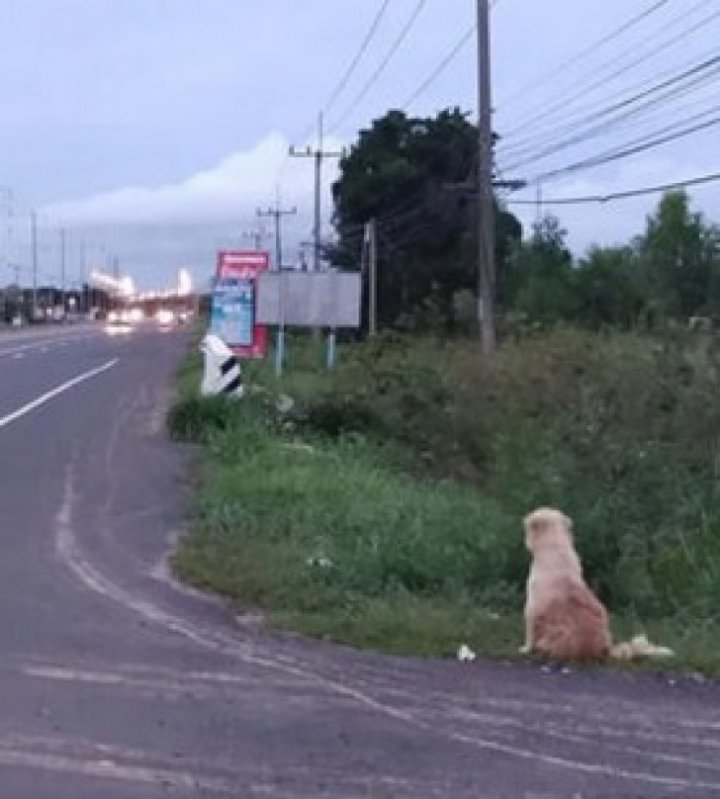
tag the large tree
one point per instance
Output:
(541, 277)
(609, 292)
(414, 177)
(680, 259)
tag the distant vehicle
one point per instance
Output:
(164, 317)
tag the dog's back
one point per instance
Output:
(571, 624)
(564, 618)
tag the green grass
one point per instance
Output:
(385, 510)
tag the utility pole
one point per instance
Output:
(62, 268)
(7, 251)
(83, 285)
(318, 154)
(33, 241)
(371, 243)
(277, 213)
(257, 236)
(485, 204)
(538, 203)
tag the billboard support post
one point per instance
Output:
(280, 342)
(331, 349)
(329, 300)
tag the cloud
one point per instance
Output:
(153, 230)
(232, 189)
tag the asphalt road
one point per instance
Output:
(115, 682)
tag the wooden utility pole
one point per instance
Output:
(318, 154)
(486, 200)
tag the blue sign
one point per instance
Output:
(233, 311)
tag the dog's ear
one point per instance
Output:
(532, 522)
(537, 521)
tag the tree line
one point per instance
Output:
(414, 176)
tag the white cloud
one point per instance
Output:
(155, 229)
(232, 189)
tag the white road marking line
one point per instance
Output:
(168, 686)
(110, 769)
(18, 355)
(44, 342)
(48, 395)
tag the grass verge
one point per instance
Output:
(384, 510)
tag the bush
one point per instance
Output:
(619, 430)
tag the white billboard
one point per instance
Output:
(309, 299)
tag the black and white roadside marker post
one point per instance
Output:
(222, 373)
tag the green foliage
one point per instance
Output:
(414, 176)
(327, 526)
(196, 419)
(679, 255)
(541, 280)
(385, 509)
(669, 274)
(608, 288)
(405, 173)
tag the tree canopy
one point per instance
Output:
(414, 176)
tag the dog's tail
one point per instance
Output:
(639, 647)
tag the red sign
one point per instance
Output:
(235, 301)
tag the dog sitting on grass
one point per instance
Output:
(564, 620)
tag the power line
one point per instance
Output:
(383, 64)
(440, 68)
(571, 122)
(528, 155)
(342, 83)
(601, 79)
(620, 195)
(629, 149)
(522, 91)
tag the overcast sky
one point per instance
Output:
(152, 129)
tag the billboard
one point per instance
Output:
(234, 302)
(309, 299)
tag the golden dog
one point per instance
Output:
(563, 618)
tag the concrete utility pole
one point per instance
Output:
(82, 270)
(485, 205)
(318, 154)
(62, 267)
(371, 243)
(7, 193)
(277, 213)
(34, 248)
(257, 236)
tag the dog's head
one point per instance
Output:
(546, 527)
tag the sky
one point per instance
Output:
(152, 130)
